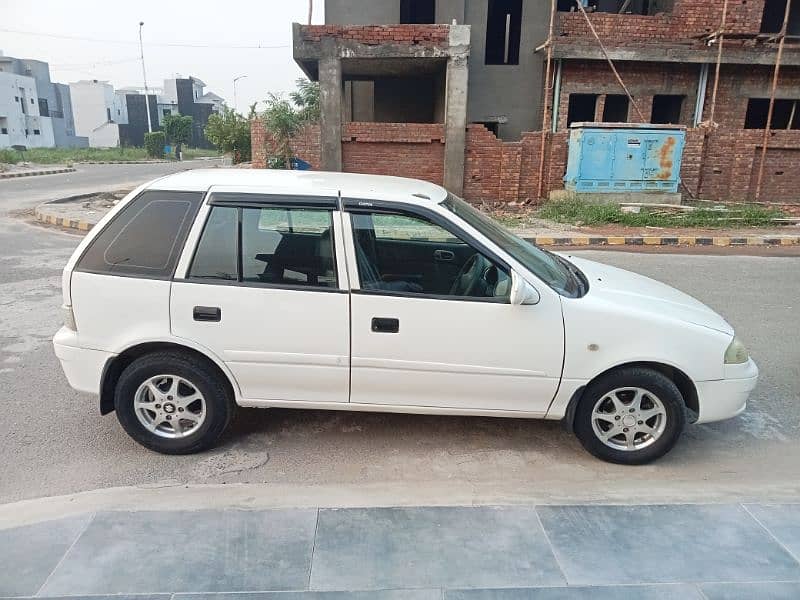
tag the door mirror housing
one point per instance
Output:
(522, 292)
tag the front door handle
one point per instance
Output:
(385, 325)
(207, 313)
(444, 255)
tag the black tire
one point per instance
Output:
(219, 403)
(649, 380)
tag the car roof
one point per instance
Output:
(313, 183)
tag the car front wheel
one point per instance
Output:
(630, 416)
(172, 403)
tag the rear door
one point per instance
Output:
(263, 290)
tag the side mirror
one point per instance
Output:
(523, 292)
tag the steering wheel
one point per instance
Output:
(470, 275)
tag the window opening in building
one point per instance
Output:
(503, 32)
(581, 108)
(667, 109)
(108, 114)
(418, 11)
(615, 109)
(785, 114)
(492, 126)
(772, 18)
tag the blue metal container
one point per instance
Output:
(624, 157)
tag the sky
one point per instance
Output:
(264, 27)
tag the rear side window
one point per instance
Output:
(269, 245)
(145, 239)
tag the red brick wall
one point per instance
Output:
(508, 172)
(733, 159)
(428, 35)
(403, 149)
(643, 80)
(305, 145)
(689, 19)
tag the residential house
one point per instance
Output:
(34, 111)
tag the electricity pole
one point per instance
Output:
(144, 77)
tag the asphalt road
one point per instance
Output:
(55, 442)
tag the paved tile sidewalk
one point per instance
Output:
(702, 552)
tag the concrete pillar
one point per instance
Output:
(330, 101)
(455, 123)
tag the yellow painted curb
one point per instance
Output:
(545, 241)
(580, 241)
(689, 241)
(721, 241)
(616, 241)
(788, 241)
(755, 241)
(652, 241)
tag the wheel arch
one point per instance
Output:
(116, 365)
(681, 380)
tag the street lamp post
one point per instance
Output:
(144, 77)
(235, 102)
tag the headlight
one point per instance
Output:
(736, 353)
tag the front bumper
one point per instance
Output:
(82, 366)
(726, 398)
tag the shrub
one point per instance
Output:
(154, 144)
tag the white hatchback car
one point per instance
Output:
(209, 289)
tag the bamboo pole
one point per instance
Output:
(610, 62)
(775, 76)
(548, 92)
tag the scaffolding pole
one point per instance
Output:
(548, 92)
(775, 76)
(719, 36)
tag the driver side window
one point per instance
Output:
(408, 254)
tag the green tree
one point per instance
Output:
(306, 98)
(230, 133)
(178, 130)
(154, 144)
(283, 121)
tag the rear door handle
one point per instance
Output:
(385, 325)
(444, 255)
(207, 313)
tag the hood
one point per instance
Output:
(647, 295)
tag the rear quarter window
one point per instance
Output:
(146, 238)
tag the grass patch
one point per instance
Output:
(51, 156)
(578, 212)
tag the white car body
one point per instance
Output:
(316, 349)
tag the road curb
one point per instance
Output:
(682, 240)
(35, 173)
(123, 162)
(43, 216)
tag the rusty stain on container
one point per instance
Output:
(666, 159)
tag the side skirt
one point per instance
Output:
(414, 410)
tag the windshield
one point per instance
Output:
(555, 271)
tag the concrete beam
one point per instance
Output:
(330, 101)
(664, 53)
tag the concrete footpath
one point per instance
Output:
(683, 551)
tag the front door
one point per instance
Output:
(262, 292)
(432, 325)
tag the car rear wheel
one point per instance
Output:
(172, 403)
(630, 416)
